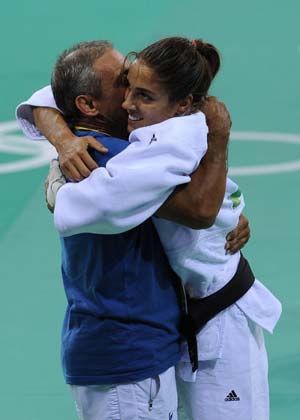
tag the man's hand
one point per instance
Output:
(54, 181)
(75, 160)
(74, 157)
(238, 237)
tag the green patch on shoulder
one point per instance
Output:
(236, 198)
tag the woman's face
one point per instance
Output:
(145, 100)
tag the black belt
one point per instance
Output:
(201, 310)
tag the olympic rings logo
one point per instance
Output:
(34, 154)
(29, 154)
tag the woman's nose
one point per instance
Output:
(128, 103)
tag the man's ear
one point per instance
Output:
(185, 105)
(86, 105)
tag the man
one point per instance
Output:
(122, 320)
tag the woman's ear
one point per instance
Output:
(185, 106)
(86, 105)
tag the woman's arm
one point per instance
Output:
(136, 182)
(197, 203)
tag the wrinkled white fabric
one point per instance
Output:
(240, 369)
(24, 115)
(150, 399)
(136, 182)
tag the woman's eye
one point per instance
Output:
(145, 96)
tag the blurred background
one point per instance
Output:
(259, 81)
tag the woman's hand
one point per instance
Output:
(219, 124)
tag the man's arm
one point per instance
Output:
(238, 237)
(75, 160)
(40, 118)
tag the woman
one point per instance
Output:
(231, 380)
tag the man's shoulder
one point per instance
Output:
(114, 145)
(103, 138)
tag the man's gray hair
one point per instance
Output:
(73, 75)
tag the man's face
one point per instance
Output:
(110, 65)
